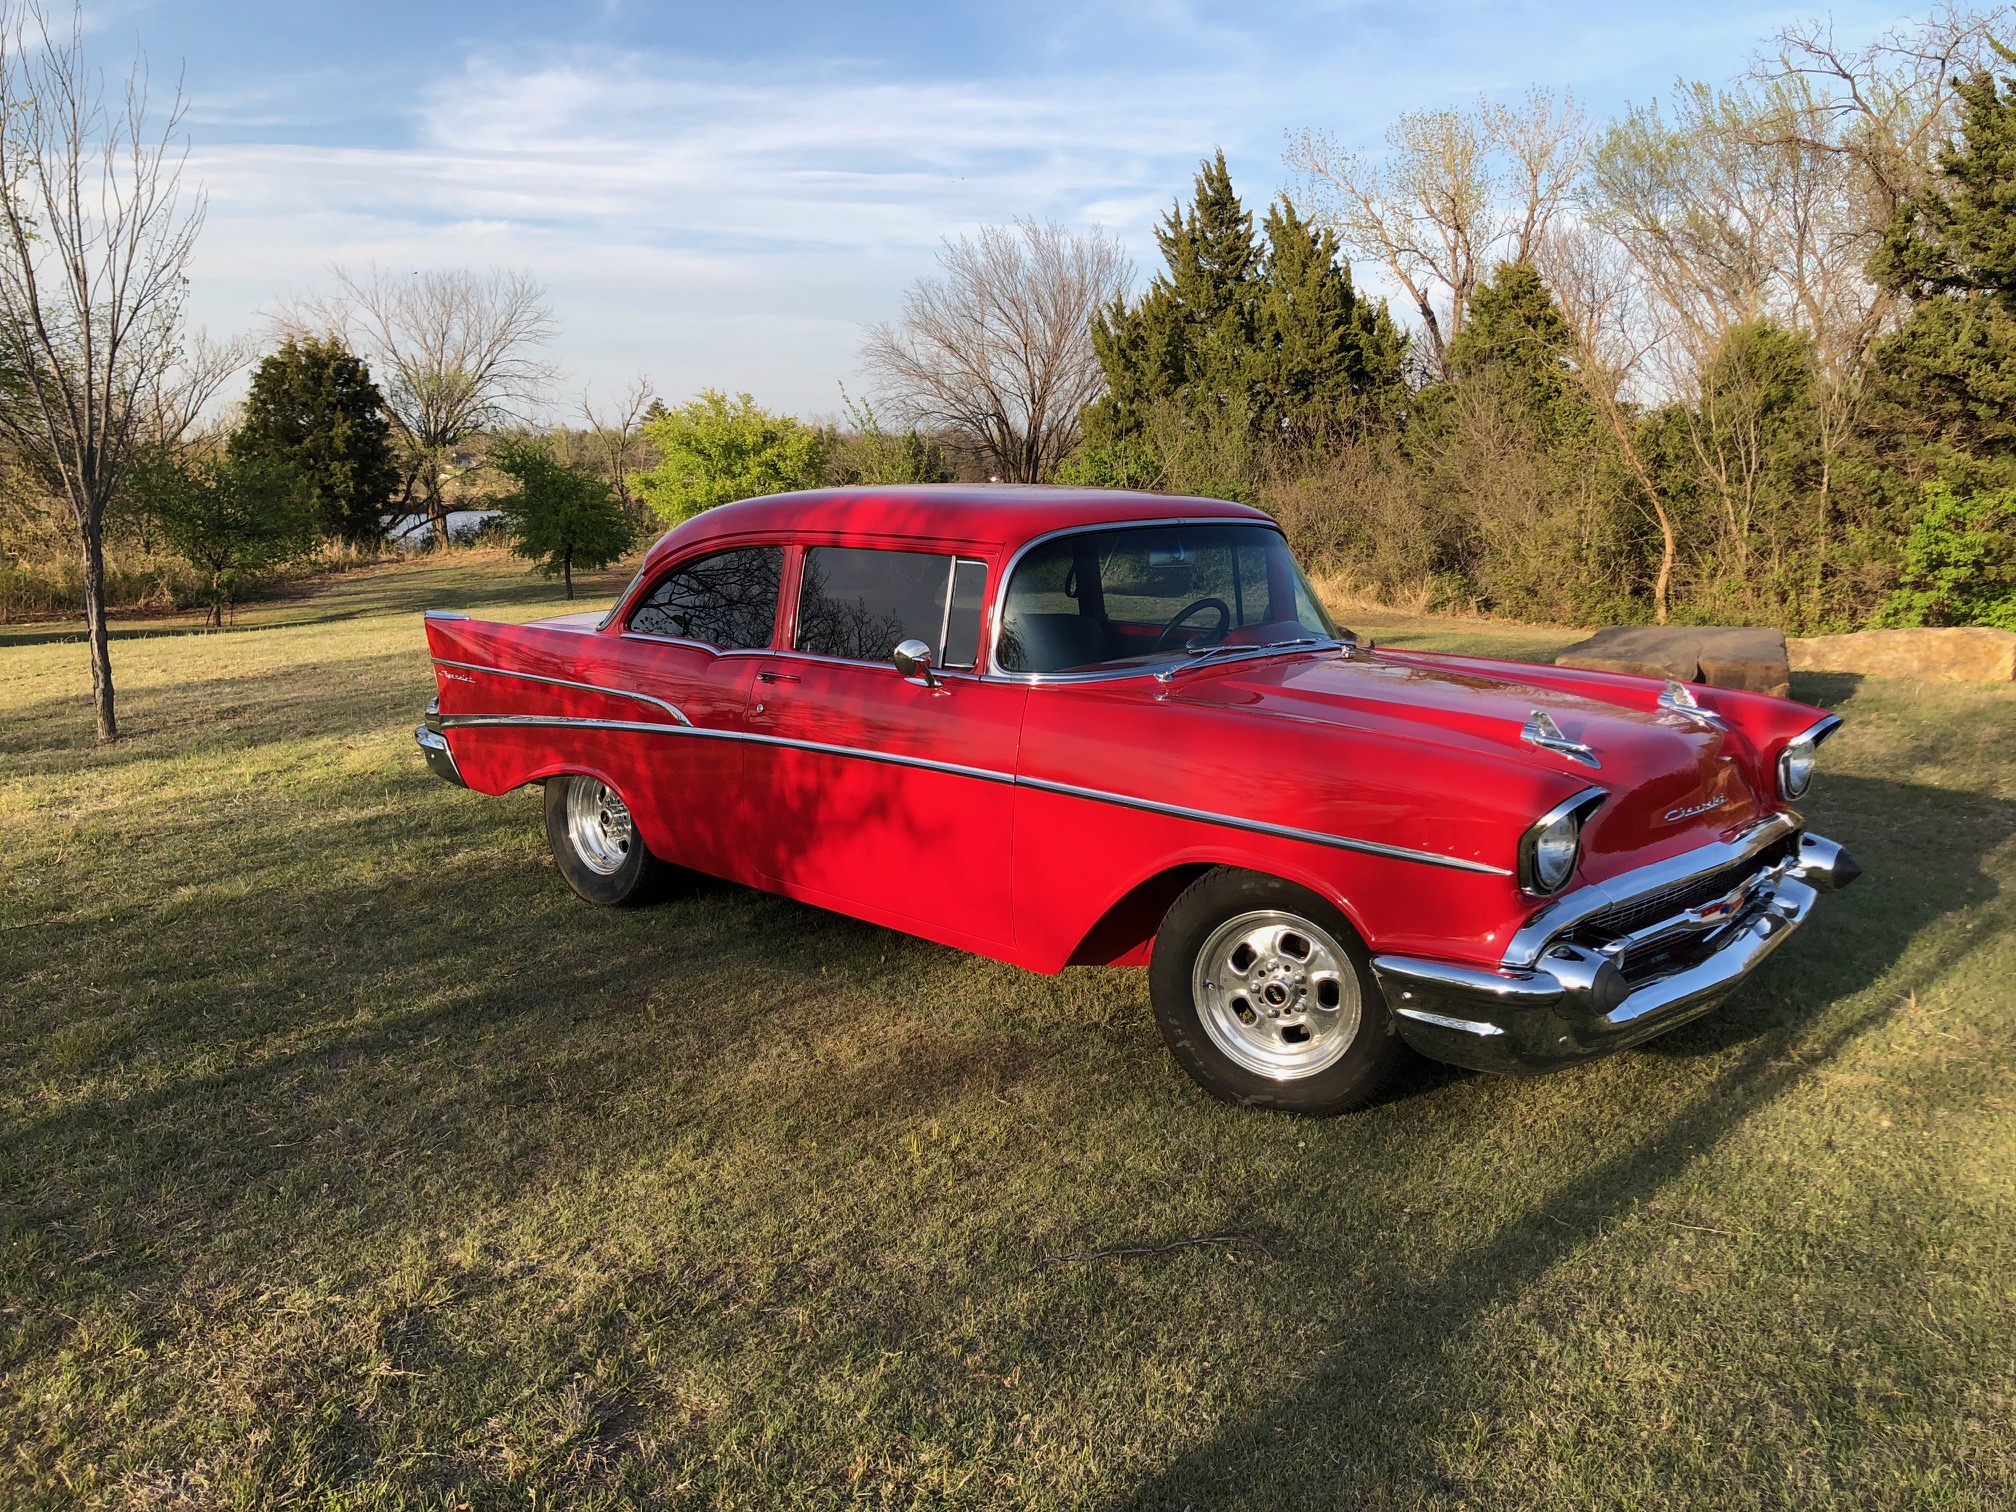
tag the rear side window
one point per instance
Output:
(860, 604)
(728, 600)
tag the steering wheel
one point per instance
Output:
(1217, 632)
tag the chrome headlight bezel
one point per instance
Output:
(1546, 864)
(1799, 757)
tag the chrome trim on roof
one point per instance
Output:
(980, 774)
(564, 682)
(1565, 912)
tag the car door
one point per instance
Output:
(872, 792)
(694, 641)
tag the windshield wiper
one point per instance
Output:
(1203, 653)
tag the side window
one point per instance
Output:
(727, 600)
(962, 620)
(859, 604)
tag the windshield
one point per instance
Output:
(1132, 596)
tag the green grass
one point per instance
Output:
(347, 1161)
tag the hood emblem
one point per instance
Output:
(1541, 731)
(1674, 816)
(1677, 698)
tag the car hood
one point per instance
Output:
(1667, 774)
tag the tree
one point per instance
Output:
(314, 410)
(715, 450)
(617, 435)
(460, 353)
(865, 453)
(561, 515)
(1959, 562)
(1237, 346)
(94, 250)
(997, 349)
(229, 517)
(1455, 194)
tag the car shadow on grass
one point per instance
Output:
(1861, 958)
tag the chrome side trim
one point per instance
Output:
(1565, 912)
(994, 667)
(562, 682)
(979, 774)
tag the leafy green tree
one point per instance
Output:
(715, 450)
(562, 515)
(1959, 562)
(314, 410)
(866, 454)
(231, 518)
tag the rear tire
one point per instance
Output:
(1265, 996)
(596, 844)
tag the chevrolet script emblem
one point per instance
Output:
(1674, 816)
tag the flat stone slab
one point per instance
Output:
(1969, 654)
(1726, 656)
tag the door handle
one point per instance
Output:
(777, 677)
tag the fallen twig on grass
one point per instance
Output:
(1141, 1251)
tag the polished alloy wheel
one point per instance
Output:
(598, 826)
(1276, 994)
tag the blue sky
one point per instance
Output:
(724, 194)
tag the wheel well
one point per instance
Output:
(1123, 934)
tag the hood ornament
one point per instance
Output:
(1677, 698)
(1541, 731)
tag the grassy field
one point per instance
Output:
(347, 1161)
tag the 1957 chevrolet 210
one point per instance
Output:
(1063, 727)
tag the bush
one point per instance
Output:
(1959, 562)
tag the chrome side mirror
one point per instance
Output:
(913, 659)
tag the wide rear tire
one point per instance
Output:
(596, 845)
(1265, 996)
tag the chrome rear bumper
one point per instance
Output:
(434, 745)
(1576, 1002)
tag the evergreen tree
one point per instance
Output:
(562, 514)
(1261, 335)
(314, 411)
(1945, 404)
(1514, 333)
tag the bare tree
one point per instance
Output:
(998, 349)
(1455, 193)
(458, 353)
(617, 435)
(95, 238)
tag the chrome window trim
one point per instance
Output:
(981, 774)
(1567, 910)
(564, 682)
(994, 667)
(697, 645)
(1583, 803)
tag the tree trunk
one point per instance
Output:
(95, 629)
(567, 571)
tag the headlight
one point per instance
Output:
(1795, 766)
(1554, 852)
(1795, 762)
(1550, 849)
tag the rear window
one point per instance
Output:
(728, 600)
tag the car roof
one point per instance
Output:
(983, 515)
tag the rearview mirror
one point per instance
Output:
(913, 659)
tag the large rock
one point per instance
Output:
(1971, 654)
(1728, 656)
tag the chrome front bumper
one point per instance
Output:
(1574, 1001)
(434, 745)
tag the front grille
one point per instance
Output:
(1635, 913)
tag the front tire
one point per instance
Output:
(1265, 996)
(596, 844)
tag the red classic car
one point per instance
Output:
(1062, 727)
